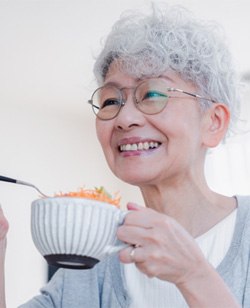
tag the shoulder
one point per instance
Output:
(243, 200)
(235, 267)
(239, 250)
(243, 215)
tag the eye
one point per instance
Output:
(110, 102)
(154, 94)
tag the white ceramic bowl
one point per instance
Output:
(75, 232)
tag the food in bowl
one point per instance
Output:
(99, 193)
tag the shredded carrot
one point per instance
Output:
(99, 194)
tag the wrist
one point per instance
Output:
(205, 288)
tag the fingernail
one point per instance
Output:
(133, 206)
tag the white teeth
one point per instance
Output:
(133, 147)
(127, 147)
(139, 146)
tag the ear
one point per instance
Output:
(216, 124)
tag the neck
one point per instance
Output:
(193, 205)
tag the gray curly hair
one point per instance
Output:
(171, 38)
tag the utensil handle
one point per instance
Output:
(10, 180)
(6, 179)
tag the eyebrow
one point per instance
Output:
(112, 83)
(166, 77)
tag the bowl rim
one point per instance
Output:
(94, 202)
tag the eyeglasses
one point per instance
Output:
(150, 97)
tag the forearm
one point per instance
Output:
(207, 290)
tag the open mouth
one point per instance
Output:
(140, 146)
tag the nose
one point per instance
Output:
(129, 116)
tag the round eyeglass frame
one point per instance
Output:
(122, 101)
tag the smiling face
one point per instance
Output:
(146, 149)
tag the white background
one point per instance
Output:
(47, 134)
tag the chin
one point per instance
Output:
(133, 178)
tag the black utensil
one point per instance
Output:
(10, 180)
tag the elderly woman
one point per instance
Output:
(167, 92)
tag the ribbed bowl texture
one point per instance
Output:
(65, 225)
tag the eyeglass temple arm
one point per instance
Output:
(91, 103)
(192, 94)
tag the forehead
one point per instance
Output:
(121, 66)
(118, 74)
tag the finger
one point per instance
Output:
(143, 217)
(134, 207)
(134, 235)
(4, 225)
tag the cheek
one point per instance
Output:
(182, 132)
(103, 133)
(100, 132)
(180, 121)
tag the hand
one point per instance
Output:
(4, 227)
(164, 249)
